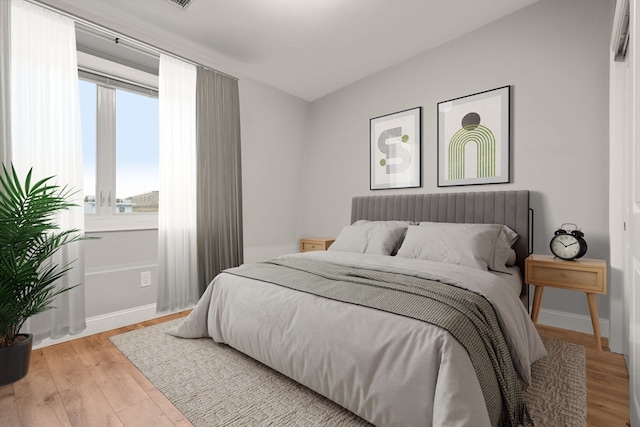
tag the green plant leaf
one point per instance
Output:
(29, 237)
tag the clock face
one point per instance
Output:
(565, 246)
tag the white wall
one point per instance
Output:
(554, 54)
(273, 126)
(273, 133)
(112, 270)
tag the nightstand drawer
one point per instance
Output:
(568, 279)
(312, 246)
(315, 244)
(587, 275)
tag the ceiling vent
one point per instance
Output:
(183, 4)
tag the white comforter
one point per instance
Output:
(388, 369)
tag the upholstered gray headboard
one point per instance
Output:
(492, 207)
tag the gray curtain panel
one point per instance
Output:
(219, 175)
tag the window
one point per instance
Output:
(88, 114)
(120, 134)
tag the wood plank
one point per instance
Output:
(146, 410)
(8, 408)
(86, 405)
(37, 398)
(159, 399)
(65, 366)
(120, 389)
(142, 381)
(167, 407)
(583, 339)
(84, 401)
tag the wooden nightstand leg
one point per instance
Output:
(537, 300)
(593, 310)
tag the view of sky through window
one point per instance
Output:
(136, 144)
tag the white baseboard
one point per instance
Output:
(106, 322)
(571, 321)
(635, 411)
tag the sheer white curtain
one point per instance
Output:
(45, 128)
(177, 237)
(5, 73)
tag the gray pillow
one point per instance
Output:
(370, 237)
(483, 246)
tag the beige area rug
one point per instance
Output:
(215, 385)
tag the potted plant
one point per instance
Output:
(28, 238)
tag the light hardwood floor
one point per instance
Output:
(88, 382)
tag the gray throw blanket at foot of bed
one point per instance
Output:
(469, 317)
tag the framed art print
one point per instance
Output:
(396, 150)
(473, 139)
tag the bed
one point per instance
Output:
(416, 316)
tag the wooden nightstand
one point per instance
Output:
(584, 274)
(315, 243)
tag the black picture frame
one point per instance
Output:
(396, 150)
(474, 133)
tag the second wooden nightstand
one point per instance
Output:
(315, 243)
(584, 274)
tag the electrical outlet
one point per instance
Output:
(145, 279)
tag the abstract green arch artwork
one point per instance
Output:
(485, 151)
(473, 139)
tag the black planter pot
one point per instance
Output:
(14, 360)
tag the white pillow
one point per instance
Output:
(504, 254)
(370, 237)
(511, 260)
(483, 246)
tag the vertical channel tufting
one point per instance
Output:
(412, 209)
(466, 207)
(396, 207)
(429, 207)
(478, 208)
(500, 207)
(510, 213)
(376, 209)
(404, 207)
(489, 211)
(450, 211)
(385, 203)
(500, 204)
(494, 207)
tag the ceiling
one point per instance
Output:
(308, 48)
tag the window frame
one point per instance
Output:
(110, 76)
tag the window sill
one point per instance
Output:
(122, 222)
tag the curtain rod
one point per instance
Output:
(118, 38)
(114, 38)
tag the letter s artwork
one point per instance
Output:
(397, 158)
(395, 150)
